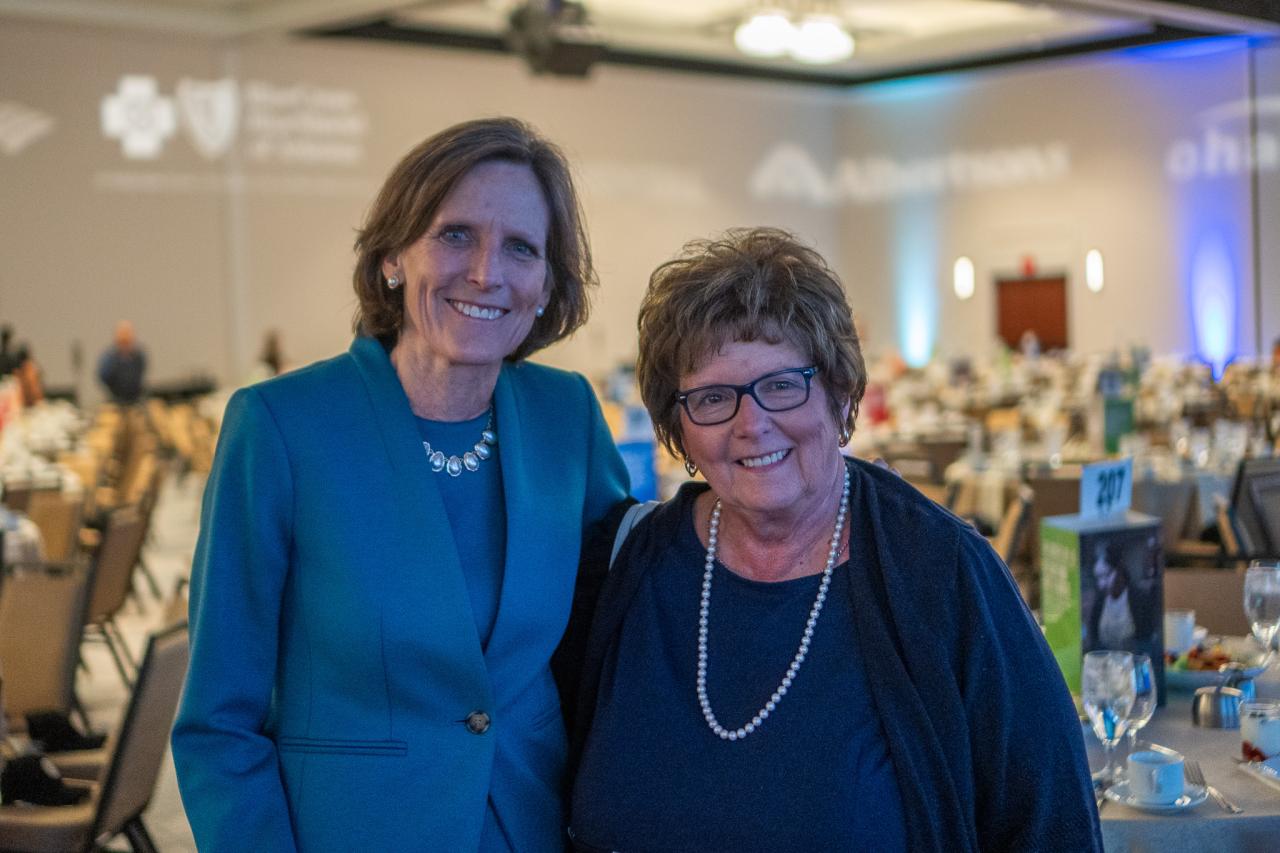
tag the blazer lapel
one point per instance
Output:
(530, 489)
(432, 581)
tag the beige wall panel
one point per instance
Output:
(214, 240)
(78, 250)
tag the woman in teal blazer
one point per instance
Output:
(376, 598)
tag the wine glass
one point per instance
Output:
(1144, 698)
(1262, 603)
(1107, 688)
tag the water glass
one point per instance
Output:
(1107, 691)
(1144, 698)
(1262, 602)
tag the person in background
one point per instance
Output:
(8, 362)
(390, 538)
(272, 356)
(838, 662)
(270, 361)
(28, 373)
(122, 368)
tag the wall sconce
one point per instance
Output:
(1093, 274)
(962, 277)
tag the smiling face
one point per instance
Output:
(759, 461)
(1107, 579)
(474, 280)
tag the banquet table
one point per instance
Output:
(1204, 827)
(1185, 505)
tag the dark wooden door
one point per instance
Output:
(1038, 304)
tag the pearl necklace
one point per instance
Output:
(470, 461)
(770, 706)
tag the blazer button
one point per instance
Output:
(477, 722)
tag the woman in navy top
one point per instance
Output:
(803, 653)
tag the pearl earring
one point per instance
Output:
(541, 310)
(393, 282)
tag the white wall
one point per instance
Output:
(1114, 123)
(204, 253)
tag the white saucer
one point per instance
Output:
(1192, 796)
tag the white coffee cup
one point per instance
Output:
(1179, 630)
(1155, 777)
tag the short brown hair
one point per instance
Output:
(749, 284)
(414, 191)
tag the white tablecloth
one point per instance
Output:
(1206, 827)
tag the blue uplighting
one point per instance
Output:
(1186, 48)
(1213, 287)
(915, 270)
(903, 89)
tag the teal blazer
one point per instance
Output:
(335, 658)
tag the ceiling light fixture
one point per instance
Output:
(820, 40)
(767, 34)
(771, 33)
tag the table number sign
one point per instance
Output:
(1106, 488)
(1102, 583)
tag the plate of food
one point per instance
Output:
(1200, 665)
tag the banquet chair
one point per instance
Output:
(146, 502)
(16, 498)
(932, 491)
(158, 416)
(57, 514)
(176, 608)
(111, 580)
(137, 750)
(1013, 525)
(1227, 534)
(1008, 540)
(42, 612)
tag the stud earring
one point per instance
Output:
(393, 282)
(690, 467)
(542, 309)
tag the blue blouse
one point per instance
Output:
(475, 505)
(815, 776)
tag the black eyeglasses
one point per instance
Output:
(779, 391)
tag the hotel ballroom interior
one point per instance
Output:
(1057, 225)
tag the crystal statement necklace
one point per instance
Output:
(469, 461)
(769, 707)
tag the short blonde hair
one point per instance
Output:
(749, 284)
(418, 185)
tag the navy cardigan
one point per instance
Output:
(983, 734)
